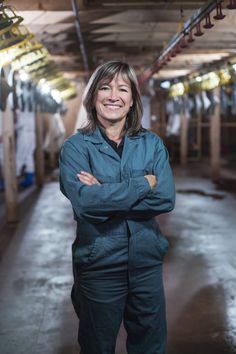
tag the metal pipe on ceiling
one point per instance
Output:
(181, 39)
(189, 25)
(79, 34)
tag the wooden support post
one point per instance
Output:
(162, 116)
(39, 155)
(9, 166)
(199, 135)
(215, 139)
(184, 139)
(52, 157)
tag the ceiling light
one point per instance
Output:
(56, 96)
(198, 79)
(23, 76)
(14, 37)
(177, 89)
(8, 19)
(45, 89)
(165, 84)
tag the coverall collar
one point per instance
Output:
(97, 138)
(129, 144)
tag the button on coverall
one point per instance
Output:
(119, 249)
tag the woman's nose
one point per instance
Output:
(113, 95)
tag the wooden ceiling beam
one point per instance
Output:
(46, 5)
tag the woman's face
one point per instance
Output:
(113, 100)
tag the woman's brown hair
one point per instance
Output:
(105, 73)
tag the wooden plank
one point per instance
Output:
(205, 124)
(228, 124)
(215, 139)
(39, 155)
(9, 166)
(47, 5)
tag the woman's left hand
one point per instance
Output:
(87, 178)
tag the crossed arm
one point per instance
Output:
(138, 197)
(89, 179)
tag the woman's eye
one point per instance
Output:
(123, 90)
(104, 87)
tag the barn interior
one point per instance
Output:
(184, 54)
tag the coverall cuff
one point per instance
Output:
(142, 186)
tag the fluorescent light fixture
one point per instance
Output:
(45, 89)
(56, 96)
(198, 78)
(23, 76)
(165, 84)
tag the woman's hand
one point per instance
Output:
(152, 180)
(87, 178)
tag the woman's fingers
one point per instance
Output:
(152, 180)
(87, 178)
(90, 178)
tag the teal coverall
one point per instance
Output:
(119, 249)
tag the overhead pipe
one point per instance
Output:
(193, 22)
(179, 41)
(79, 34)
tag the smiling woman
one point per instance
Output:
(112, 78)
(117, 176)
(113, 101)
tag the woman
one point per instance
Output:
(117, 177)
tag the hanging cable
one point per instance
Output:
(79, 34)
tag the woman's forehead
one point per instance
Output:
(118, 77)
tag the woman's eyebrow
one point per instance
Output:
(127, 85)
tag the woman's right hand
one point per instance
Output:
(152, 180)
(87, 178)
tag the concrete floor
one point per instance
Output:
(36, 316)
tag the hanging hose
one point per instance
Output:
(79, 34)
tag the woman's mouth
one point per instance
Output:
(112, 106)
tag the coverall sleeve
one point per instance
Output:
(96, 203)
(162, 198)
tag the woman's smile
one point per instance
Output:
(112, 106)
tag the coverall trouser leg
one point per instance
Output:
(144, 317)
(123, 285)
(99, 326)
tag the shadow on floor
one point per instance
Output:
(201, 327)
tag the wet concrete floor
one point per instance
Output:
(36, 315)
